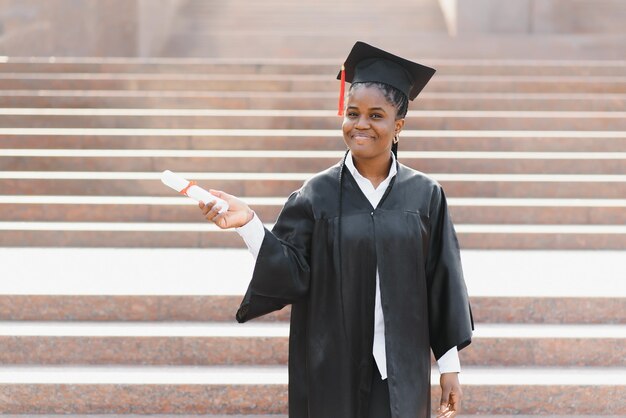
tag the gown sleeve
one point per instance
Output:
(281, 272)
(450, 316)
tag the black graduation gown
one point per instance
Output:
(411, 239)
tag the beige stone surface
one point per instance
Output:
(247, 28)
(579, 16)
(488, 16)
(85, 28)
(537, 16)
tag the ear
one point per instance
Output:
(399, 125)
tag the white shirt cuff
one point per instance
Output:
(253, 234)
(449, 362)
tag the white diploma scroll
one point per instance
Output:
(189, 189)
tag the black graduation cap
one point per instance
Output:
(368, 63)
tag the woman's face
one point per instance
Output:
(369, 124)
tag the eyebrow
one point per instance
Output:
(370, 109)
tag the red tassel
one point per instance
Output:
(342, 90)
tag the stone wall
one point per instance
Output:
(580, 16)
(85, 27)
(156, 20)
(590, 29)
(601, 17)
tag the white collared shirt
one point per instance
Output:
(253, 234)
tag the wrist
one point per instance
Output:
(250, 216)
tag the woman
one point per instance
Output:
(367, 256)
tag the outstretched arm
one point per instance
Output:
(281, 272)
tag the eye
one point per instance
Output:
(376, 116)
(351, 114)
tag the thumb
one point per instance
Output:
(445, 398)
(220, 194)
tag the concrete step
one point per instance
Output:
(275, 161)
(174, 209)
(275, 416)
(519, 283)
(291, 44)
(303, 119)
(221, 308)
(304, 82)
(211, 344)
(553, 186)
(132, 209)
(228, 416)
(274, 9)
(317, 66)
(300, 100)
(246, 390)
(207, 235)
(268, 20)
(302, 139)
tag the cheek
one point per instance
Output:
(345, 123)
(384, 130)
(346, 126)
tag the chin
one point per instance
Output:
(360, 152)
(365, 152)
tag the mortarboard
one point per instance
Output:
(367, 63)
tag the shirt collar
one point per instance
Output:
(352, 168)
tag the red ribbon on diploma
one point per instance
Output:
(184, 191)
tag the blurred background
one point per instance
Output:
(578, 29)
(117, 298)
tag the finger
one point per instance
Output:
(442, 410)
(208, 207)
(221, 220)
(449, 414)
(445, 398)
(215, 211)
(455, 401)
(201, 204)
(446, 412)
(211, 214)
(218, 193)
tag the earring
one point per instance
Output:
(396, 139)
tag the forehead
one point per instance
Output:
(369, 96)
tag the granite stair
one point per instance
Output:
(107, 305)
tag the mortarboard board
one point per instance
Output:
(367, 63)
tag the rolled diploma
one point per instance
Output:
(197, 193)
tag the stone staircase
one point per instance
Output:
(117, 298)
(323, 28)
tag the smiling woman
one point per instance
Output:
(366, 254)
(371, 126)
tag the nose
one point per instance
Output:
(362, 122)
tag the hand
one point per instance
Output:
(451, 395)
(238, 213)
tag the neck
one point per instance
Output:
(374, 169)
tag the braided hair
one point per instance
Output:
(400, 102)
